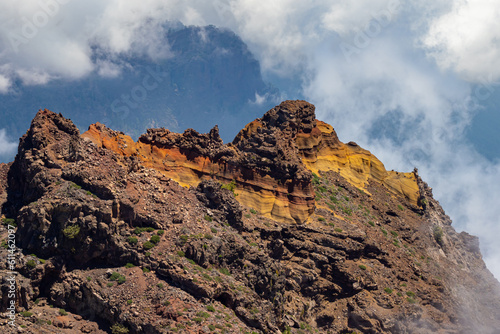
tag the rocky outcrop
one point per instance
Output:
(270, 160)
(108, 235)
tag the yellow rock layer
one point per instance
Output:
(254, 190)
(322, 151)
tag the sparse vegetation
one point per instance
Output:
(148, 245)
(26, 314)
(253, 211)
(155, 239)
(115, 276)
(438, 234)
(362, 267)
(140, 230)
(71, 231)
(75, 186)
(31, 264)
(388, 290)
(119, 329)
(132, 240)
(231, 186)
(208, 218)
(225, 271)
(9, 221)
(62, 312)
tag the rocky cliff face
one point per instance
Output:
(284, 230)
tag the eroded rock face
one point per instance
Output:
(107, 233)
(270, 160)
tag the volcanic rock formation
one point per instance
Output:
(284, 230)
(270, 160)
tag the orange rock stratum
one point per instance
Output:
(271, 160)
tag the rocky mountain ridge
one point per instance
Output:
(284, 230)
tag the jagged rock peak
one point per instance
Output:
(295, 115)
(47, 127)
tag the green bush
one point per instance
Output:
(362, 267)
(155, 239)
(184, 238)
(119, 329)
(208, 218)
(74, 185)
(438, 234)
(225, 271)
(62, 312)
(129, 302)
(181, 253)
(160, 232)
(315, 179)
(129, 265)
(31, 264)
(253, 211)
(371, 223)
(26, 314)
(71, 231)
(7, 221)
(231, 186)
(394, 233)
(148, 245)
(388, 290)
(114, 276)
(132, 240)
(210, 308)
(321, 219)
(203, 314)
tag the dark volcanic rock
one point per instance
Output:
(119, 246)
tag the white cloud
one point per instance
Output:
(7, 148)
(467, 39)
(4, 84)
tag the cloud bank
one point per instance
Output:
(402, 78)
(7, 147)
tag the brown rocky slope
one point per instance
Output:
(285, 230)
